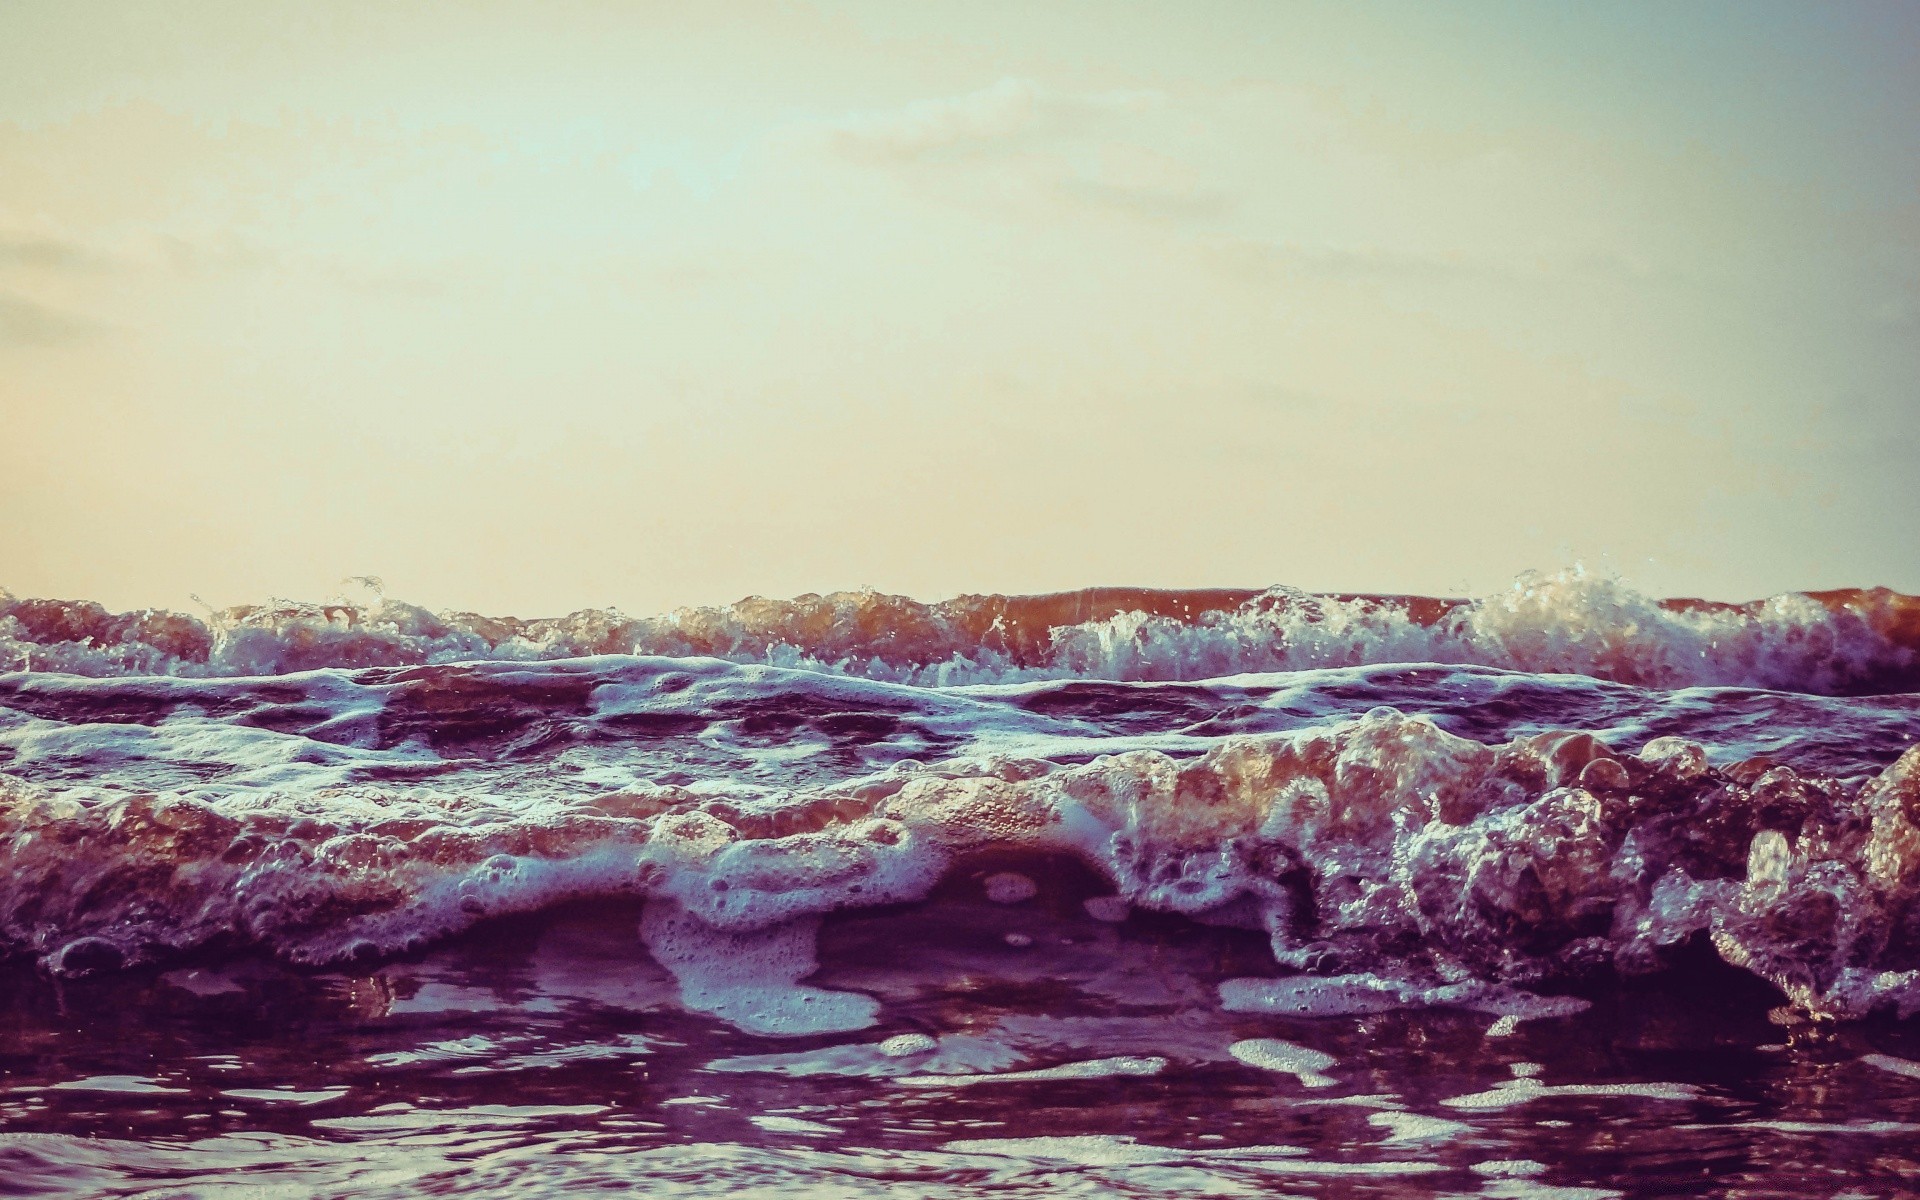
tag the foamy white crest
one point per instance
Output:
(1568, 622)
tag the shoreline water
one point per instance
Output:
(541, 1054)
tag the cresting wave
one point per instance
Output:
(1850, 642)
(1386, 860)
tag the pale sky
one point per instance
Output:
(529, 307)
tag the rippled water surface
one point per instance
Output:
(547, 1056)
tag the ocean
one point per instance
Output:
(1558, 892)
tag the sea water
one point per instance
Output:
(1562, 891)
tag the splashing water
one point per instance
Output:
(1118, 853)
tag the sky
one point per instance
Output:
(530, 307)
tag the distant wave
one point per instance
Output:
(1852, 641)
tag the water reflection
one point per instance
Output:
(540, 1058)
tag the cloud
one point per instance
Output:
(1040, 150)
(1261, 260)
(1143, 183)
(991, 114)
(209, 254)
(1343, 262)
(45, 253)
(131, 245)
(25, 323)
(1000, 113)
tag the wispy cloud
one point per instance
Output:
(208, 253)
(44, 253)
(1141, 182)
(991, 114)
(1036, 150)
(1259, 259)
(26, 323)
(998, 114)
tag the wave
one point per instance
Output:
(1847, 642)
(1377, 849)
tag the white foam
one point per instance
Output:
(907, 1054)
(1097, 1068)
(1507, 1168)
(1371, 833)
(1288, 1058)
(1816, 1128)
(1526, 1089)
(1108, 1150)
(1094, 1150)
(751, 979)
(1362, 993)
(1896, 1066)
(1118, 1150)
(1527, 1189)
(906, 1045)
(1314, 996)
(126, 1085)
(779, 1124)
(1009, 887)
(1568, 621)
(286, 1096)
(1404, 1127)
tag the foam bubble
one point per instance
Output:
(905, 1054)
(751, 979)
(1507, 1168)
(1892, 1065)
(1858, 1125)
(779, 1124)
(1359, 994)
(1309, 996)
(1097, 1068)
(1103, 1150)
(1288, 1058)
(1526, 1089)
(1405, 1127)
(1009, 887)
(905, 1045)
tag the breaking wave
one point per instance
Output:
(1384, 858)
(1838, 642)
(1414, 801)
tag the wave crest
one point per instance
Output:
(1841, 642)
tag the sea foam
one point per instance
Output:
(1850, 641)
(1391, 862)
